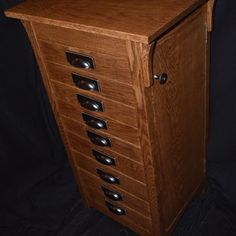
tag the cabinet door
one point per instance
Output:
(180, 107)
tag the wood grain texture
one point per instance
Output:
(114, 110)
(180, 113)
(93, 187)
(108, 88)
(123, 164)
(126, 221)
(127, 183)
(139, 66)
(116, 128)
(81, 128)
(30, 31)
(210, 14)
(115, 68)
(158, 132)
(131, 215)
(147, 65)
(83, 146)
(81, 40)
(118, 147)
(136, 20)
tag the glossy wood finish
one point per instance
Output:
(81, 40)
(139, 56)
(158, 131)
(127, 221)
(128, 184)
(133, 216)
(117, 144)
(180, 113)
(107, 88)
(131, 19)
(210, 13)
(34, 42)
(123, 164)
(94, 187)
(105, 65)
(116, 128)
(114, 110)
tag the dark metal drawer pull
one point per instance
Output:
(99, 140)
(94, 122)
(107, 177)
(112, 195)
(114, 209)
(85, 83)
(80, 61)
(104, 159)
(89, 103)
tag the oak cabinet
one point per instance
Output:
(128, 83)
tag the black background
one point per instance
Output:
(38, 194)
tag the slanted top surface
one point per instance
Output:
(137, 20)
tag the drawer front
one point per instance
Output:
(116, 145)
(125, 132)
(83, 146)
(113, 178)
(81, 40)
(112, 109)
(140, 224)
(104, 65)
(106, 87)
(111, 160)
(128, 214)
(102, 191)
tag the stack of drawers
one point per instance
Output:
(128, 83)
(95, 99)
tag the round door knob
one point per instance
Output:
(161, 78)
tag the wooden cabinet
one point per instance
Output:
(128, 83)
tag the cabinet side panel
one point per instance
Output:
(179, 108)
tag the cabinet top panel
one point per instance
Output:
(137, 20)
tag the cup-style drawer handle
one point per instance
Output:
(98, 140)
(89, 103)
(112, 195)
(116, 210)
(104, 159)
(80, 61)
(107, 177)
(94, 122)
(85, 83)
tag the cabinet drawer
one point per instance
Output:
(83, 146)
(81, 40)
(115, 128)
(124, 182)
(139, 224)
(116, 146)
(95, 189)
(107, 88)
(115, 68)
(121, 164)
(115, 110)
(129, 214)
